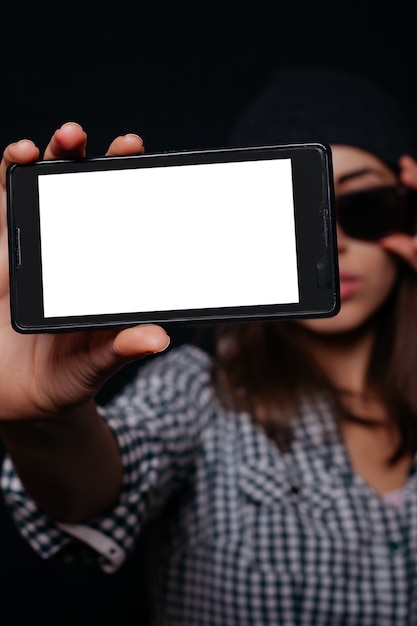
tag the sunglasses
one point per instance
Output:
(376, 213)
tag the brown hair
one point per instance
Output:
(265, 369)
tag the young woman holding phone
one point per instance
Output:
(275, 479)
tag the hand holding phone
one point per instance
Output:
(44, 374)
(244, 234)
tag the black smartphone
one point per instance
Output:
(234, 234)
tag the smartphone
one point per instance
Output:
(237, 234)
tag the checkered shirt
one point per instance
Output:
(238, 533)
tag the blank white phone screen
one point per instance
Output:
(168, 238)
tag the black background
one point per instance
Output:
(178, 73)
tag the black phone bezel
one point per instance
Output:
(314, 224)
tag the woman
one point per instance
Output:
(275, 482)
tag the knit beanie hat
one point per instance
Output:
(327, 106)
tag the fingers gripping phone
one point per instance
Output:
(215, 235)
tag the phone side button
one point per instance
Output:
(18, 247)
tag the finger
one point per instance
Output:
(140, 340)
(68, 142)
(23, 151)
(92, 358)
(408, 171)
(126, 144)
(403, 246)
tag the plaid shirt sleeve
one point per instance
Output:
(157, 421)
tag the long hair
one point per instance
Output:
(265, 369)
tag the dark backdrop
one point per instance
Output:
(178, 73)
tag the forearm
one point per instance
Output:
(70, 465)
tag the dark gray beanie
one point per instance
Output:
(328, 106)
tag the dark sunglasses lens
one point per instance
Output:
(375, 213)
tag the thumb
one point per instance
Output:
(138, 341)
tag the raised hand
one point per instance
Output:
(405, 246)
(44, 375)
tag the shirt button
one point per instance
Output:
(394, 545)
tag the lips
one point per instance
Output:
(349, 285)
